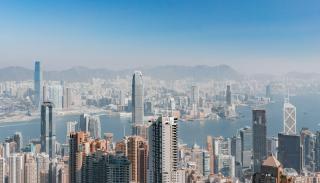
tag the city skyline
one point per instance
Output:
(281, 33)
(160, 91)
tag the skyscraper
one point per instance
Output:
(84, 122)
(272, 146)
(137, 155)
(137, 98)
(71, 127)
(246, 147)
(2, 170)
(48, 130)
(259, 132)
(289, 118)
(236, 148)
(17, 137)
(163, 150)
(228, 95)
(317, 151)
(30, 169)
(206, 163)
(76, 156)
(290, 151)
(269, 91)
(95, 127)
(225, 165)
(16, 168)
(67, 98)
(43, 162)
(37, 84)
(90, 124)
(194, 95)
(308, 142)
(101, 167)
(211, 153)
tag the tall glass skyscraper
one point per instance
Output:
(137, 98)
(37, 84)
(246, 147)
(228, 95)
(48, 130)
(289, 118)
(290, 151)
(259, 132)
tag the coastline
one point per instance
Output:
(22, 117)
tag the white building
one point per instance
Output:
(289, 118)
(163, 150)
(16, 168)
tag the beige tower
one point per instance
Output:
(137, 154)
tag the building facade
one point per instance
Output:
(48, 130)
(163, 150)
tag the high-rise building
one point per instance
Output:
(48, 130)
(84, 122)
(290, 151)
(54, 94)
(221, 145)
(194, 95)
(269, 91)
(94, 127)
(211, 153)
(76, 156)
(16, 168)
(272, 146)
(71, 127)
(308, 142)
(30, 169)
(37, 84)
(137, 98)
(197, 157)
(67, 98)
(317, 151)
(206, 163)
(91, 125)
(2, 170)
(289, 118)
(225, 165)
(246, 147)
(228, 95)
(17, 137)
(259, 137)
(43, 162)
(140, 130)
(100, 167)
(148, 108)
(236, 148)
(163, 150)
(137, 155)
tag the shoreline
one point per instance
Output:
(25, 118)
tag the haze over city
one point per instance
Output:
(170, 91)
(282, 36)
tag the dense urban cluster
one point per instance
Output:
(153, 152)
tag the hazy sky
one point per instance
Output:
(251, 36)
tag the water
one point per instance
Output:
(308, 115)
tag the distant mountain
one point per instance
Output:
(200, 72)
(15, 74)
(170, 72)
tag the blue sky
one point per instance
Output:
(252, 36)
